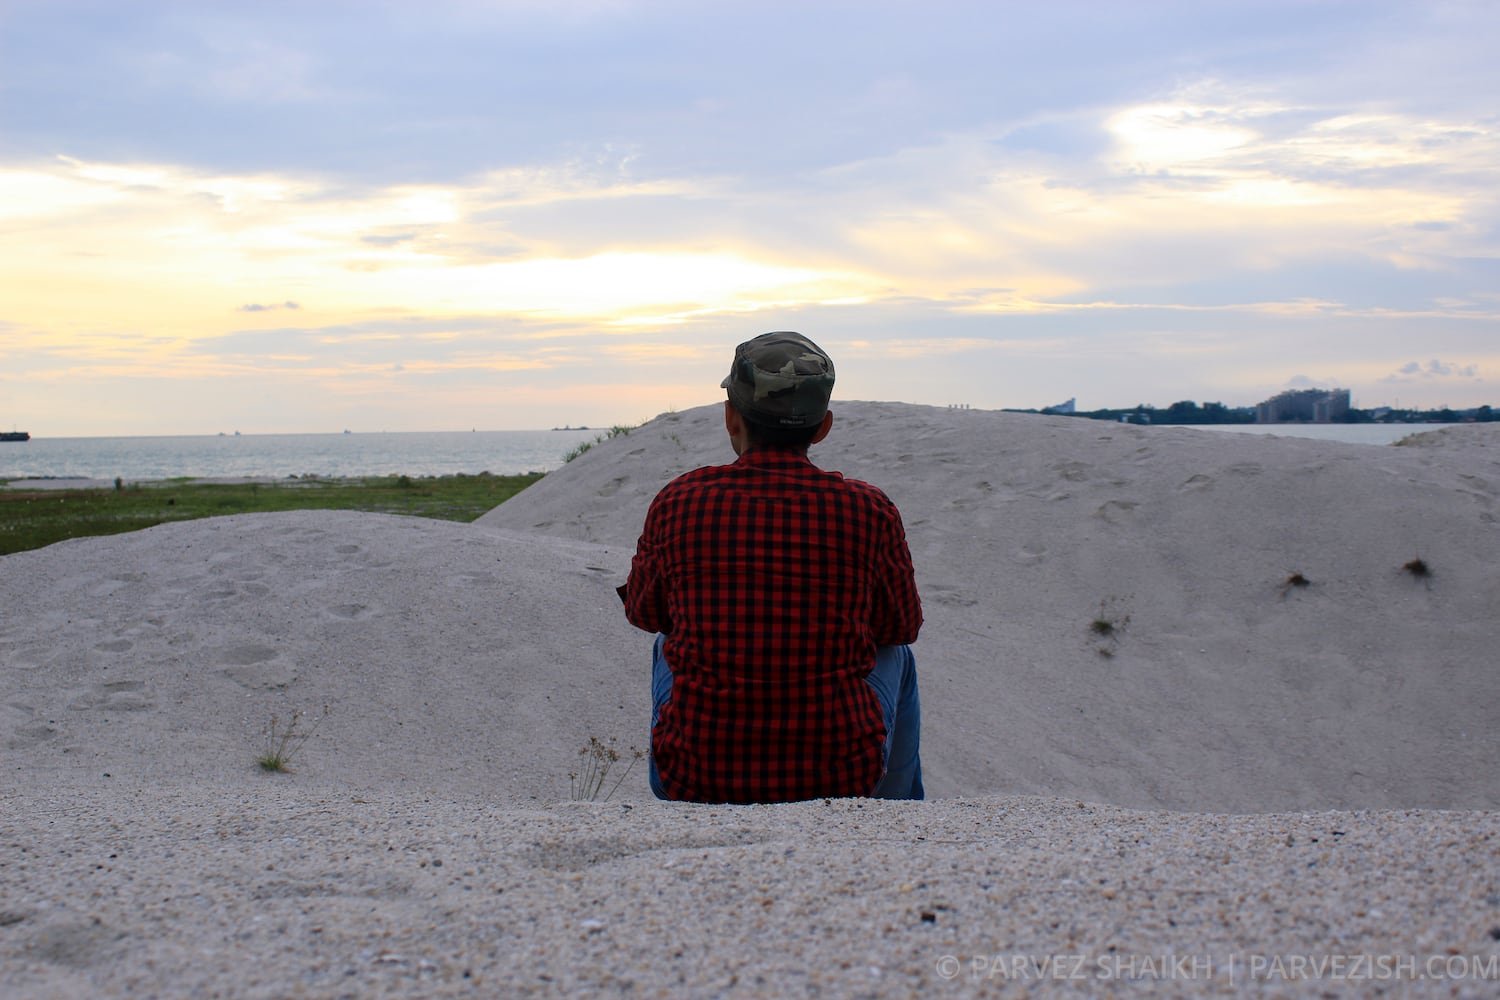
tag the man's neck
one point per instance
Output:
(767, 449)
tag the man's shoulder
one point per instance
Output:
(689, 483)
(775, 468)
(856, 495)
(694, 477)
(857, 487)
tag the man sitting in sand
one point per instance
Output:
(784, 603)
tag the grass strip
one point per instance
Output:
(31, 519)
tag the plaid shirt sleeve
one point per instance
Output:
(774, 582)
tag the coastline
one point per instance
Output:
(86, 483)
(327, 455)
(279, 456)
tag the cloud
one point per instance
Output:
(1308, 382)
(1433, 369)
(1184, 200)
(388, 240)
(255, 307)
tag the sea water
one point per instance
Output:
(1378, 434)
(283, 455)
(414, 454)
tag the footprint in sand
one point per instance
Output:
(112, 584)
(78, 944)
(1116, 511)
(470, 580)
(951, 596)
(112, 696)
(1073, 472)
(33, 658)
(370, 561)
(981, 491)
(257, 667)
(21, 728)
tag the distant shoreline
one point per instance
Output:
(276, 456)
(93, 483)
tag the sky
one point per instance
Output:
(452, 214)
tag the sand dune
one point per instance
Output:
(1076, 775)
(1228, 688)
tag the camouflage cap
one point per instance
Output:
(780, 379)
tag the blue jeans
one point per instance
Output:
(894, 680)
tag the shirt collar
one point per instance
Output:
(773, 458)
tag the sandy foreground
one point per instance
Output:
(1276, 769)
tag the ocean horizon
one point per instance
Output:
(278, 456)
(415, 453)
(1372, 434)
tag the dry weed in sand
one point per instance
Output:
(598, 759)
(282, 744)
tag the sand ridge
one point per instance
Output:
(1224, 687)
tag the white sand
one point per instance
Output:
(1083, 784)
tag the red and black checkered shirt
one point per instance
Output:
(774, 582)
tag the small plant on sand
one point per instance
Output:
(1107, 622)
(1418, 568)
(1107, 625)
(282, 743)
(618, 430)
(1294, 581)
(598, 760)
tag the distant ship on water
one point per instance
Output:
(14, 436)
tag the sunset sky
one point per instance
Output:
(438, 215)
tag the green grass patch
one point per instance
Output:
(618, 430)
(30, 519)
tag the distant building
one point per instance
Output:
(1308, 406)
(1070, 407)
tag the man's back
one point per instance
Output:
(773, 582)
